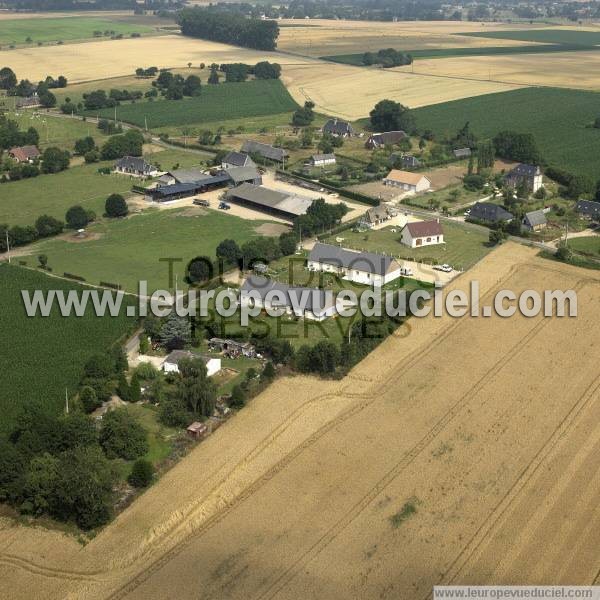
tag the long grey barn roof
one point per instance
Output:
(265, 150)
(368, 262)
(317, 300)
(536, 217)
(282, 201)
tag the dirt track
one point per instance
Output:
(490, 426)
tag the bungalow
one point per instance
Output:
(366, 268)
(135, 165)
(422, 233)
(24, 153)
(303, 302)
(320, 160)
(388, 138)
(462, 152)
(236, 159)
(530, 175)
(376, 215)
(265, 151)
(588, 209)
(493, 213)
(535, 220)
(232, 347)
(410, 182)
(338, 128)
(171, 364)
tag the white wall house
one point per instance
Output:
(302, 302)
(422, 233)
(407, 181)
(171, 364)
(365, 268)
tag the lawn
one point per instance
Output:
(129, 250)
(356, 59)
(544, 36)
(559, 119)
(589, 245)
(463, 248)
(16, 31)
(224, 101)
(42, 357)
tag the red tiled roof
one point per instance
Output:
(24, 153)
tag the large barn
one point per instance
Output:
(280, 204)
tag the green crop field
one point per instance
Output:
(544, 36)
(16, 31)
(22, 202)
(129, 250)
(216, 102)
(356, 59)
(43, 356)
(560, 120)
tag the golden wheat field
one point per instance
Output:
(479, 425)
(560, 69)
(316, 37)
(351, 92)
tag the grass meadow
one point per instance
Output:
(16, 31)
(356, 59)
(22, 202)
(560, 119)
(589, 245)
(216, 102)
(126, 251)
(43, 356)
(543, 36)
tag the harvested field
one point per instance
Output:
(379, 485)
(122, 57)
(324, 37)
(559, 69)
(333, 88)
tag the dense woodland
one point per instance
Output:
(229, 27)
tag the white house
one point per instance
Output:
(320, 160)
(365, 268)
(135, 165)
(405, 180)
(422, 233)
(302, 302)
(171, 364)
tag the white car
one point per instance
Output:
(445, 268)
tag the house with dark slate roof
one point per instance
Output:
(588, 209)
(530, 175)
(366, 268)
(135, 165)
(387, 138)
(236, 159)
(493, 213)
(338, 128)
(535, 220)
(264, 150)
(303, 302)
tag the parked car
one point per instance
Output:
(201, 202)
(445, 268)
(224, 206)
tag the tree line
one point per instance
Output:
(219, 25)
(26, 89)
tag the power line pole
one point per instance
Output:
(66, 401)
(7, 247)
